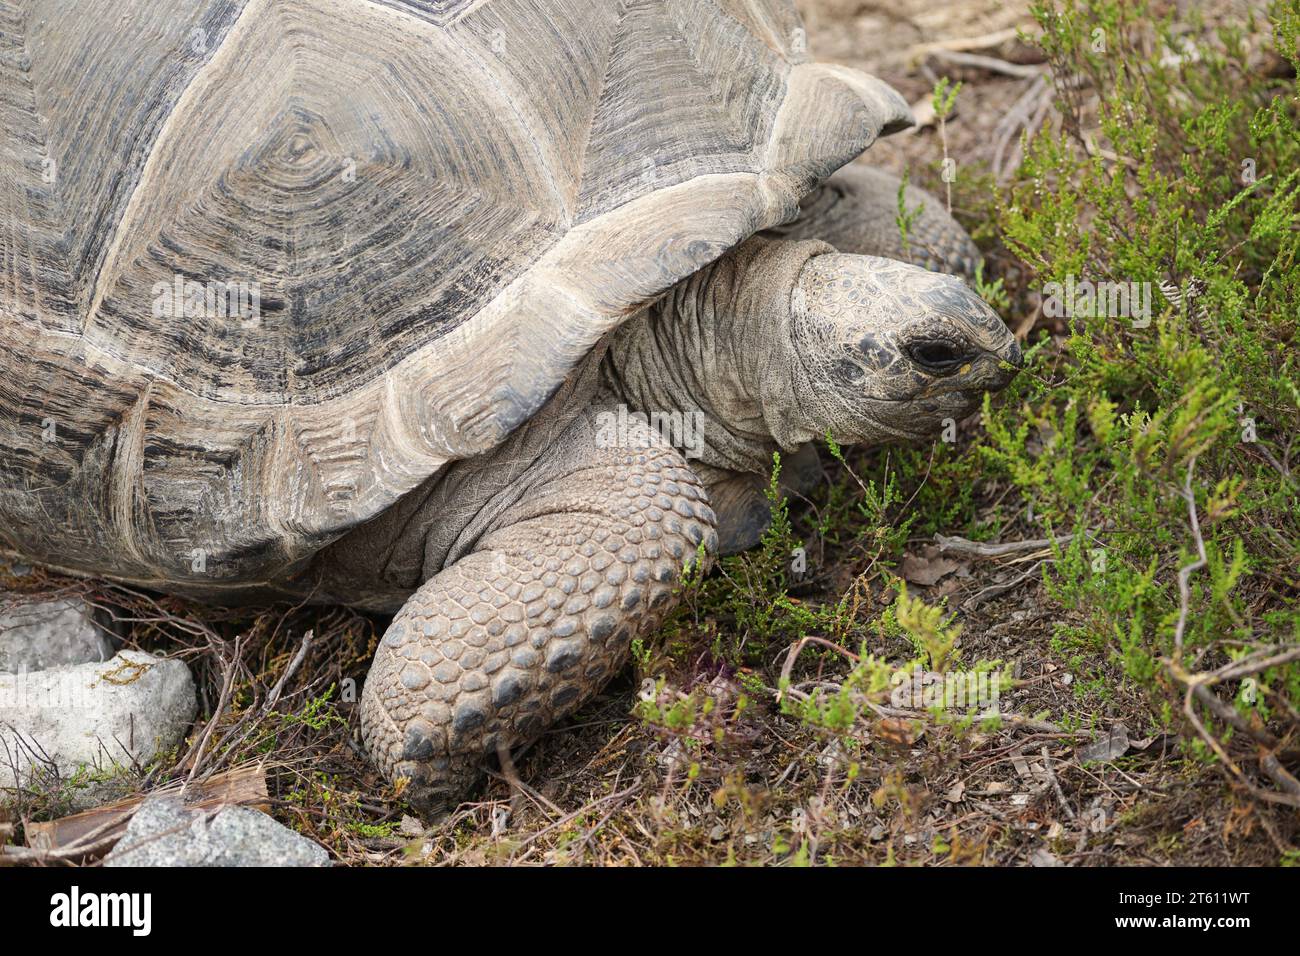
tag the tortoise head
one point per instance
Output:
(888, 350)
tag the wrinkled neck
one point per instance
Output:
(719, 345)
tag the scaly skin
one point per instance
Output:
(504, 642)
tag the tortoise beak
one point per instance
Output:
(995, 368)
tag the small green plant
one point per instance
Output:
(906, 218)
(992, 292)
(931, 634)
(317, 713)
(944, 99)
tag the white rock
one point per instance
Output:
(122, 711)
(42, 634)
(165, 833)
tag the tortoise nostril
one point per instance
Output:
(936, 355)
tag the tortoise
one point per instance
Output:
(376, 302)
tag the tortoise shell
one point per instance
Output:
(269, 264)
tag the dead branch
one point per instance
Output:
(1185, 572)
(993, 590)
(985, 41)
(991, 63)
(982, 549)
(798, 646)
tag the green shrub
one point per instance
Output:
(1168, 444)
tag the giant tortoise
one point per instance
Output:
(376, 302)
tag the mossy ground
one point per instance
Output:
(759, 727)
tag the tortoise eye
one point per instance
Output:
(936, 355)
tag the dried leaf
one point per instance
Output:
(1105, 749)
(899, 731)
(926, 571)
(1147, 742)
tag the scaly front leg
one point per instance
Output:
(740, 500)
(540, 613)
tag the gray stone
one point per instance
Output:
(164, 833)
(43, 634)
(123, 711)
